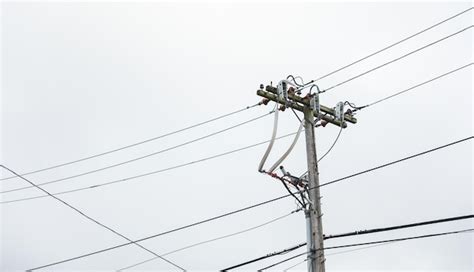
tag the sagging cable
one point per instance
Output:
(272, 141)
(283, 157)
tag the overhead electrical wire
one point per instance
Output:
(269, 255)
(417, 224)
(161, 151)
(140, 157)
(340, 252)
(233, 151)
(148, 173)
(391, 96)
(295, 265)
(394, 44)
(398, 58)
(251, 206)
(415, 86)
(332, 146)
(212, 157)
(326, 237)
(282, 261)
(36, 171)
(394, 162)
(326, 153)
(92, 219)
(358, 244)
(243, 109)
(135, 144)
(212, 240)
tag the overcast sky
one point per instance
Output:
(83, 78)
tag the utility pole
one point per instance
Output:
(311, 108)
(314, 227)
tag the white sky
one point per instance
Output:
(83, 78)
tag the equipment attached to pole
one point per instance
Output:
(305, 189)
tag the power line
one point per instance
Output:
(148, 173)
(251, 206)
(161, 151)
(399, 58)
(135, 144)
(437, 221)
(90, 218)
(340, 252)
(282, 261)
(327, 152)
(395, 162)
(237, 111)
(333, 144)
(395, 94)
(394, 44)
(416, 86)
(276, 253)
(212, 240)
(362, 244)
(295, 265)
(141, 157)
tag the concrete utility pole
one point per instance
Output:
(311, 108)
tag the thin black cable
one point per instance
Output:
(90, 218)
(415, 86)
(394, 162)
(325, 154)
(289, 191)
(249, 207)
(281, 252)
(333, 144)
(178, 166)
(139, 158)
(399, 58)
(283, 261)
(299, 119)
(340, 252)
(148, 173)
(398, 93)
(424, 223)
(359, 244)
(394, 44)
(134, 144)
(212, 240)
(248, 107)
(300, 262)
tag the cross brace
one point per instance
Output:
(298, 103)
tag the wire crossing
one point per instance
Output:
(141, 157)
(240, 110)
(135, 144)
(251, 206)
(397, 59)
(235, 150)
(148, 173)
(92, 219)
(212, 240)
(394, 44)
(351, 245)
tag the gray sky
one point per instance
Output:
(83, 78)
